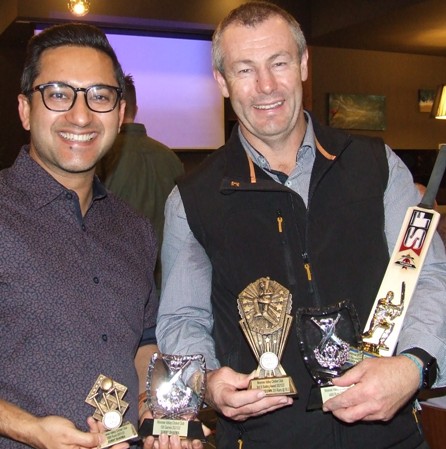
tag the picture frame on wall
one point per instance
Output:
(357, 111)
(426, 99)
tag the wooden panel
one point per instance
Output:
(433, 421)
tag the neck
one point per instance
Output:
(281, 153)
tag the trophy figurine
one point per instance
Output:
(330, 343)
(106, 397)
(382, 322)
(265, 308)
(176, 387)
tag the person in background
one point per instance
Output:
(139, 169)
(316, 210)
(76, 263)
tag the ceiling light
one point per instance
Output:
(439, 106)
(79, 7)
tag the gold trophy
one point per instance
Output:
(106, 397)
(265, 308)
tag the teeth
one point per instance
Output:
(77, 137)
(269, 106)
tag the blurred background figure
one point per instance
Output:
(139, 169)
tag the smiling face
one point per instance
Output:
(69, 144)
(263, 77)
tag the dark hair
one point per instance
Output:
(249, 15)
(130, 97)
(68, 34)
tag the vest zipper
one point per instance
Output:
(307, 267)
(286, 247)
(279, 221)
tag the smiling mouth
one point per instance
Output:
(77, 137)
(266, 107)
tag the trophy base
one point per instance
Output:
(319, 395)
(124, 433)
(191, 430)
(274, 386)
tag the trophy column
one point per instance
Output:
(265, 308)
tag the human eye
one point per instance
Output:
(101, 95)
(57, 93)
(242, 69)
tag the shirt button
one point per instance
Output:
(96, 280)
(104, 337)
(288, 183)
(84, 228)
(69, 196)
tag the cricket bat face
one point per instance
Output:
(400, 279)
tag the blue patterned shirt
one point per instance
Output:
(75, 293)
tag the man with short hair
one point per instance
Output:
(314, 210)
(76, 264)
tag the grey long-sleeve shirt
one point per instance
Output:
(185, 317)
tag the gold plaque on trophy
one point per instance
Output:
(106, 397)
(265, 308)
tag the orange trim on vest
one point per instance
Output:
(252, 172)
(324, 152)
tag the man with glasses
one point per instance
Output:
(76, 263)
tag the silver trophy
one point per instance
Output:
(330, 343)
(176, 386)
(106, 396)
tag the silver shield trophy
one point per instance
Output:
(265, 307)
(330, 343)
(106, 396)
(176, 386)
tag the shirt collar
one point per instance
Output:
(39, 185)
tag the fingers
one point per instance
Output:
(164, 441)
(251, 404)
(371, 399)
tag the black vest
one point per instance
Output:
(257, 229)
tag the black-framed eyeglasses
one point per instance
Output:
(60, 97)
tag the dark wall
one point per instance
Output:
(12, 53)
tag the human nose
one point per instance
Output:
(80, 114)
(266, 82)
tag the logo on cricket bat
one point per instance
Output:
(415, 235)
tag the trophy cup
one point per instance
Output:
(265, 308)
(330, 343)
(176, 386)
(106, 397)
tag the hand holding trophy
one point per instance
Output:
(176, 387)
(265, 308)
(106, 397)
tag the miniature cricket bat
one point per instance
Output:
(400, 279)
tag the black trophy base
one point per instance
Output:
(191, 430)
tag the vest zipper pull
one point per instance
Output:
(307, 267)
(279, 221)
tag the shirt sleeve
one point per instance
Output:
(185, 319)
(424, 321)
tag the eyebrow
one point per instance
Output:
(270, 59)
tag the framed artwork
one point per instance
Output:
(426, 99)
(353, 111)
